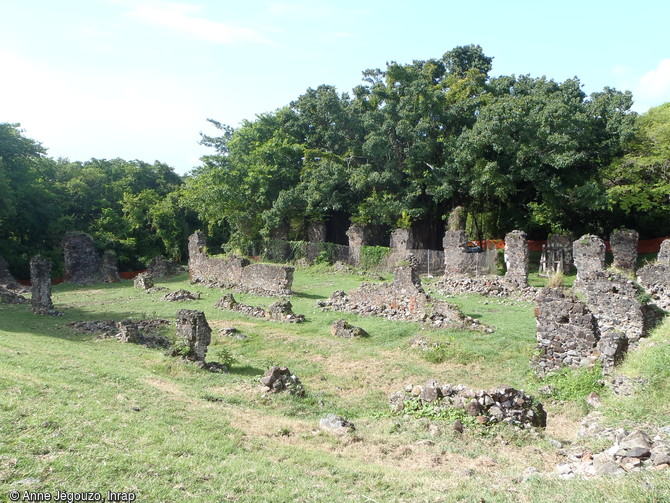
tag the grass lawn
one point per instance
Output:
(84, 414)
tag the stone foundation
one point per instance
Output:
(502, 404)
(403, 299)
(279, 311)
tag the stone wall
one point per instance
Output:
(82, 263)
(109, 270)
(589, 256)
(7, 279)
(235, 272)
(623, 243)
(569, 335)
(358, 236)
(560, 245)
(456, 256)
(655, 279)
(516, 257)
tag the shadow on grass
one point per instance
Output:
(246, 370)
(303, 295)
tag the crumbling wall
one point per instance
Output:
(623, 243)
(316, 232)
(456, 256)
(589, 256)
(358, 236)
(664, 253)
(7, 279)
(235, 272)
(655, 279)
(109, 269)
(569, 335)
(403, 299)
(82, 263)
(194, 334)
(516, 257)
(160, 267)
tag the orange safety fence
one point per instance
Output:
(644, 245)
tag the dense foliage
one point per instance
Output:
(408, 145)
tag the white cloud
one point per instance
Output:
(183, 18)
(653, 88)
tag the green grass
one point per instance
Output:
(81, 414)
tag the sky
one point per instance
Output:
(138, 79)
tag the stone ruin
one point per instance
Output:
(40, 278)
(193, 337)
(516, 257)
(629, 451)
(141, 332)
(655, 277)
(358, 236)
(612, 316)
(589, 256)
(568, 334)
(109, 269)
(160, 267)
(623, 243)
(502, 404)
(279, 379)
(235, 272)
(344, 329)
(181, 295)
(144, 281)
(456, 256)
(82, 263)
(281, 310)
(403, 299)
(10, 290)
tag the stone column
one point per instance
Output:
(664, 253)
(194, 332)
(110, 267)
(357, 235)
(589, 256)
(82, 263)
(516, 257)
(456, 257)
(40, 277)
(623, 243)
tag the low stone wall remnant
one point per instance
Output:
(281, 310)
(589, 256)
(403, 299)
(280, 379)
(235, 272)
(502, 404)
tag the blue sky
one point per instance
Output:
(137, 79)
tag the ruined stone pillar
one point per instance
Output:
(456, 257)
(6, 278)
(316, 232)
(357, 235)
(82, 263)
(40, 277)
(194, 332)
(197, 243)
(589, 256)
(664, 253)
(110, 267)
(516, 257)
(402, 240)
(457, 219)
(623, 243)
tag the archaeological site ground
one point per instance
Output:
(231, 380)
